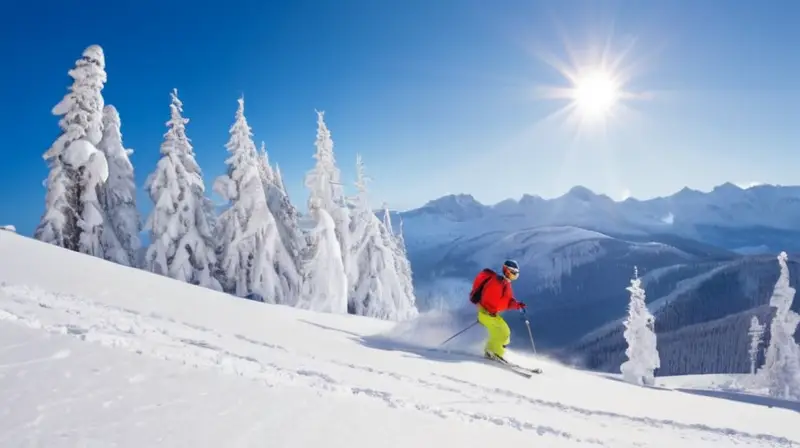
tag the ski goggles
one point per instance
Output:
(511, 273)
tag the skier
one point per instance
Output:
(492, 294)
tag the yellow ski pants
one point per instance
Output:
(499, 333)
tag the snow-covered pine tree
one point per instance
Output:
(405, 300)
(326, 190)
(288, 262)
(264, 168)
(205, 220)
(780, 374)
(73, 218)
(367, 290)
(250, 246)
(325, 284)
(292, 217)
(756, 333)
(205, 257)
(640, 335)
(181, 242)
(118, 195)
(378, 290)
(403, 264)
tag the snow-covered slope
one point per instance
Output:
(97, 354)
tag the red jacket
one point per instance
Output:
(497, 294)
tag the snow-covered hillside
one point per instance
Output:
(701, 323)
(97, 354)
(547, 254)
(573, 278)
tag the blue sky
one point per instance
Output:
(436, 96)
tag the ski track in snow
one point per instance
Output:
(200, 347)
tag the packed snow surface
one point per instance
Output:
(97, 354)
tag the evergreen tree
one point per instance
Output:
(403, 266)
(325, 286)
(181, 242)
(378, 290)
(73, 218)
(265, 169)
(118, 195)
(366, 290)
(780, 373)
(289, 264)
(250, 246)
(326, 191)
(642, 353)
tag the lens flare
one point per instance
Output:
(596, 89)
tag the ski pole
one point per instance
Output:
(454, 336)
(528, 324)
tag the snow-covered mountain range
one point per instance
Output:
(578, 251)
(722, 217)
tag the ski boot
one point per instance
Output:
(493, 357)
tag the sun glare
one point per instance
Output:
(595, 95)
(596, 88)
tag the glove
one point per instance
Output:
(521, 305)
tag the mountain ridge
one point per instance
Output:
(720, 217)
(578, 190)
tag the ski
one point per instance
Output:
(533, 370)
(516, 368)
(530, 370)
(511, 369)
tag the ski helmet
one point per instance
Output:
(510, 269)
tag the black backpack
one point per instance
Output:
(476, 295)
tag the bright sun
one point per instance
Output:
(595, 94)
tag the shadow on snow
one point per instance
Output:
(388, 343)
